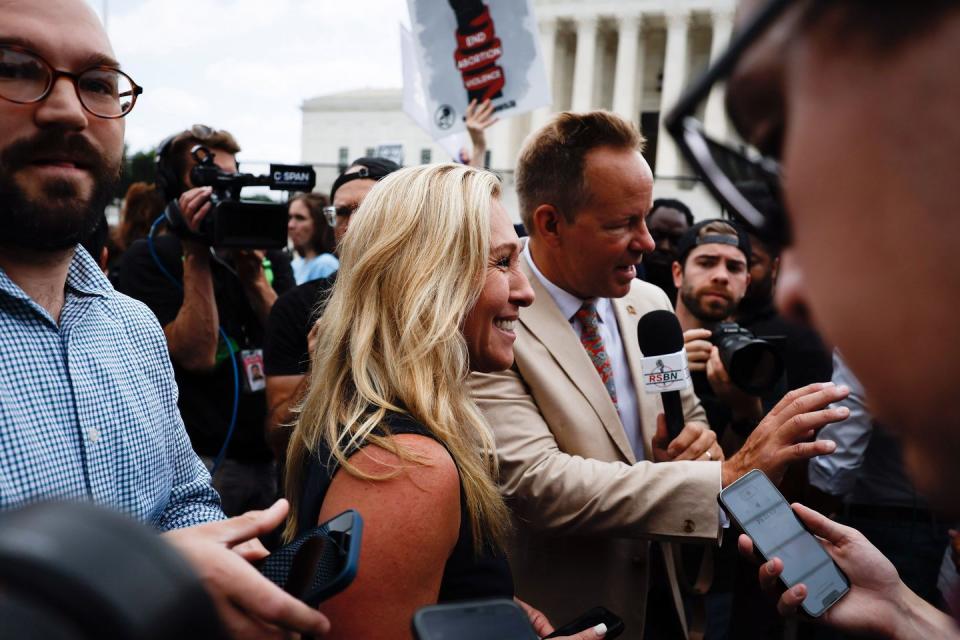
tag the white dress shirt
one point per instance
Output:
(569, 304)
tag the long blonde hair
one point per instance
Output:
(411, 266)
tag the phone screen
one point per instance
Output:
(476, 620)
(765, 516)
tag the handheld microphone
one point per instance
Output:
(664, 364)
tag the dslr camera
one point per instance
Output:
(754, 364)
(233, 223)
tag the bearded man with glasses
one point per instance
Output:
(848, 113)
(88, 407)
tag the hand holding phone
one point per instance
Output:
(589, 620)
(759, 509)
(501, 619)
(321, 562)
(878, 604)
(473, 620)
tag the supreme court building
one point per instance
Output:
(633, 57)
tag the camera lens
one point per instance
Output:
(754, 365)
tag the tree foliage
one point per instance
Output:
(139, 167)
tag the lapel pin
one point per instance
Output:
(631, 310)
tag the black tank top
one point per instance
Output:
(467, 575)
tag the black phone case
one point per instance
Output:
(288, 567)
(757, 551)
(590, 619)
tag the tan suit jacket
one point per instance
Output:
(585, 507)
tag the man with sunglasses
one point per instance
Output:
(87, 396)
(825, 95)
(289, 330)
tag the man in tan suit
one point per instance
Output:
(576, 436)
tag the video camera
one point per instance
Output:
(754, 364)
(233, 223)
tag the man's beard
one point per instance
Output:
(61, 218)
(713, 314)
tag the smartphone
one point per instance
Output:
(760, 510)
(589, 620)
(321, 562)
(473, 620)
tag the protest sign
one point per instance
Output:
(472, 50)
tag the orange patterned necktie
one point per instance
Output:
(593, 343)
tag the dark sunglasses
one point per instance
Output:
(332, 213)
(745, 182)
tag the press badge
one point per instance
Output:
(253, 378)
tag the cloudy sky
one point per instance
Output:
(247, 65)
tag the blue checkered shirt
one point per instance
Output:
(88, 408)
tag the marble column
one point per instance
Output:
(625, 76)
(548, 49)
(715, 117)
(674, 79)
(583, 68)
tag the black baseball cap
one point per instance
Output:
(364, 169)
(693, 237)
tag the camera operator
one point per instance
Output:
(711, 275)
(232, 290)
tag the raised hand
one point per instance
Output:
(780, 437)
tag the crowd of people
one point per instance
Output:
(478, 396)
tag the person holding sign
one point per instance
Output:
(479, 118)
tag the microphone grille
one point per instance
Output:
(659, 333)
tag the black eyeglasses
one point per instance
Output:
(747, 183)
(26, 78)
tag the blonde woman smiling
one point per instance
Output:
(428, 290)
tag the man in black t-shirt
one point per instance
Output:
(222, 296)
(287, 349)
(286, 354)
(805, 357)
